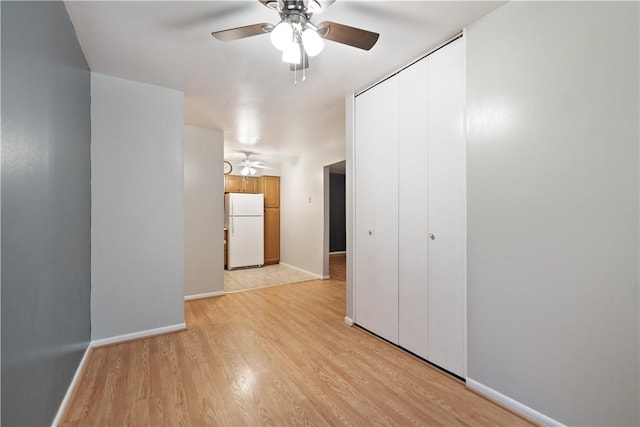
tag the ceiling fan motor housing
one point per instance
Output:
(305, 6)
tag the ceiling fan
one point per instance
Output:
(296, 36)
(249, 166)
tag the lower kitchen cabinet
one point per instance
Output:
(225, 248)
(271, 235)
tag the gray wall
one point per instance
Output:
(553, 110)
(203, 211)
(46, 206)
(337, 213)
(137, 202)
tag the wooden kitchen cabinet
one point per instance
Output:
(270, 187)
(241, 184)
(271, 235)
(232, 184)
(251, 184)
(225, 248)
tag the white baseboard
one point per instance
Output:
(338, 253)
(327, 277)
(348, 321)
(142, 334)
(100, 343)
(514, 405)
(207, 295)
(72, 386)
(317, 276)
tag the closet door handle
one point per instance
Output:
(432, 236)
(370, 232)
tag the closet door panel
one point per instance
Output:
(376, 210)
(413, 209)
(447, 219)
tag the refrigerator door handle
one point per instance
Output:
(231, 216)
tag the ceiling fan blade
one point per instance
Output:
(324, 4)
(242, 32)
(345, 34)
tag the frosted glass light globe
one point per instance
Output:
(282, 35)
(313, 43)
(292, 54)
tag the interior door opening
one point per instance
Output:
(335, 217)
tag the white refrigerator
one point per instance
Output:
(244, 220)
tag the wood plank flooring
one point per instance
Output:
(274, 356)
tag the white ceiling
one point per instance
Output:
(242, 87)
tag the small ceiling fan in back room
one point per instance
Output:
(249, 166)
(296, 36)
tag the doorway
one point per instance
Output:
(335, 219)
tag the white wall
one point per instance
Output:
(301, 221)
(553, 111)
(203, 211)
(137, 237)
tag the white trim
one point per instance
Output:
(317, 276)
(514, 405)
(206, 295)
(465, 345)
(141, 334)
(326, 277)
(338, 253)
(350, 196)
(348, 321)
(72, 386)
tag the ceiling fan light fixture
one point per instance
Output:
(292, 54)
(314, 6)
(281, 35)
(244, 171)
(313, 43)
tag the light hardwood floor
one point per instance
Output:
(273, 356)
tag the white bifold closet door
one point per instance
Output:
(413, 191)
(431, 209)
(447, 208)
(409, 216)
(376, 210)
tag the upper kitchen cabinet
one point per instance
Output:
(251, 184)
(232, 184)
(270, 187)
(241, 184)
